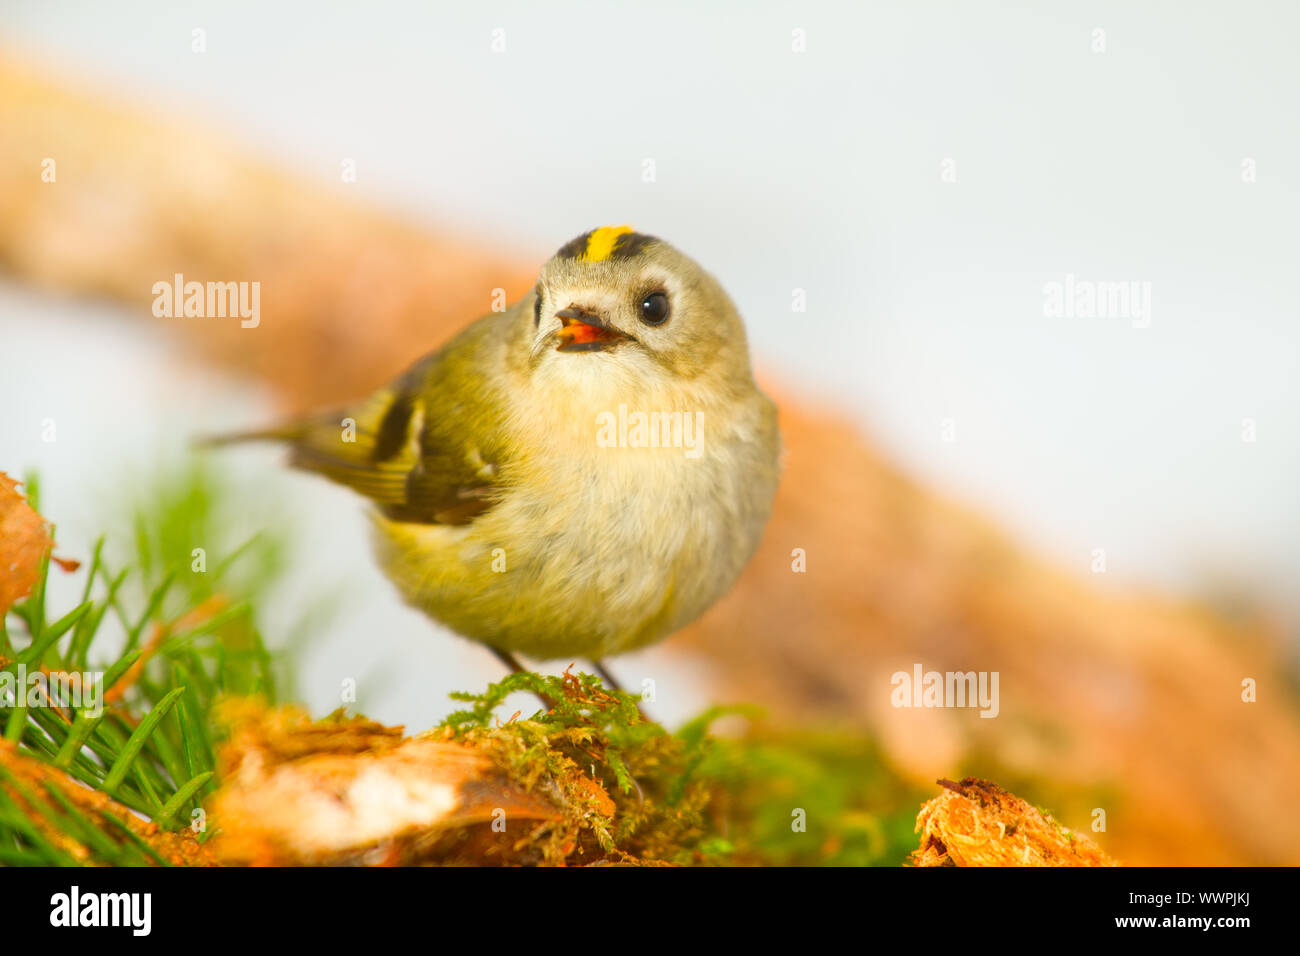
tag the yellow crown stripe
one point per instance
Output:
(601, 242)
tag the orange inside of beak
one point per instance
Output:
(574, 332)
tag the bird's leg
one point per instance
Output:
(512, 664)
(605, 675)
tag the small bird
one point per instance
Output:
(580, 475)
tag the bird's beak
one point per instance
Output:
(584, 331)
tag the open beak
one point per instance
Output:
(584, 331)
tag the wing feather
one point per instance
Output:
(401, 450)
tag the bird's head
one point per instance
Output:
(617, 304)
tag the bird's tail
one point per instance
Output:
(289, 432)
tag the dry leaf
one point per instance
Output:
(24, 541)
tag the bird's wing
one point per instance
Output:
(420, 454)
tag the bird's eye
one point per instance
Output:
(537, 306)
(655, 308)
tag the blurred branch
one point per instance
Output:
(137, 198)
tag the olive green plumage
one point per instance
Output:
(520, 498)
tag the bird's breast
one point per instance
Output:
(596, 547)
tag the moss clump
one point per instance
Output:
(629, 790)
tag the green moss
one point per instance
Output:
(625, 786)
(628, 788)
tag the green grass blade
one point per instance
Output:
(183, 796)
(82, 728)
(34, 653)
(137, 740)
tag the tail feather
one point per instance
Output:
(289, 432)
(372, 455)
